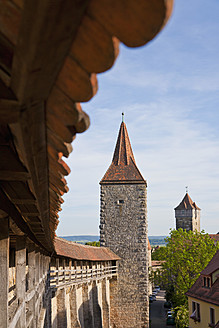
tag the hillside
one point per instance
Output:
(82, 239)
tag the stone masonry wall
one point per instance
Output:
(123, 228)
(188, 223)
(184, 223)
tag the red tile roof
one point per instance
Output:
(83, 252)
(123, 168)
(210, 295)
(212, 266)
(214, 236)
(187, 204)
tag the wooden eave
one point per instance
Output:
(50, 55)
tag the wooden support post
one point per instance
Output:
(37, 260)
(32, 279)
(64, 268)
(94, 268)
(4, 265)
(75, 268)
(21, 276)
(48, 264)
(31, 266)
(57, 273)
(70, 268)
(41, 265)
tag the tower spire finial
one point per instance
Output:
(187, 189)
(122, 117)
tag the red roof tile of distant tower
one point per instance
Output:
(187, 204)
(123, 168)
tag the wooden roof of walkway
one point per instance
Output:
(50, 53)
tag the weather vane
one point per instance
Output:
(187, 188)
(122, 117)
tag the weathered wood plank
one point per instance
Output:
(6, 92)
(7, 206)
(10, 162)
(67, 111)
(14, 176)
(21, 275)
(9, 111)
(58, 144)
(6, 53)
(54, 124)
(4, 265)
(60, 183)
(59, 166)
(30, 213)
(10, 17)
(17, 231)
(94, 48)
(21, 201)
(43, 44)
(132, 22)
(32, 122)
(76, 82)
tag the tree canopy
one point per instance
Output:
(158, 254)
(93, 243)
(186, 254)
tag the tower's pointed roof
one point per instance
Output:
(123, 168)
(187, 204)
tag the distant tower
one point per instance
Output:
(123, 228)
(187, 215)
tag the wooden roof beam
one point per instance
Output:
(8, 207)
(14, 176)
(9, 106)
(32, 122)
(42, 45)
(9, 111)
(23, 201)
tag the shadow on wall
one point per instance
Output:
(89, 313)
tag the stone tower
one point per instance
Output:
(187, 215)
(123, 228)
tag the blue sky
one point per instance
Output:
(169, 92)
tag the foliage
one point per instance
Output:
(186, 254)
(93, 243)
(158, 254)
(182, 316)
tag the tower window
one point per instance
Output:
(212, 316)
(120, 201)
(207, 282)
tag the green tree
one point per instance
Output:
(93, 243)
(182, 316)
(186, 254)
(158, 254)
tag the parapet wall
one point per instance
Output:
(42, 291)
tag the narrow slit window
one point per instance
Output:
(212, 316)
